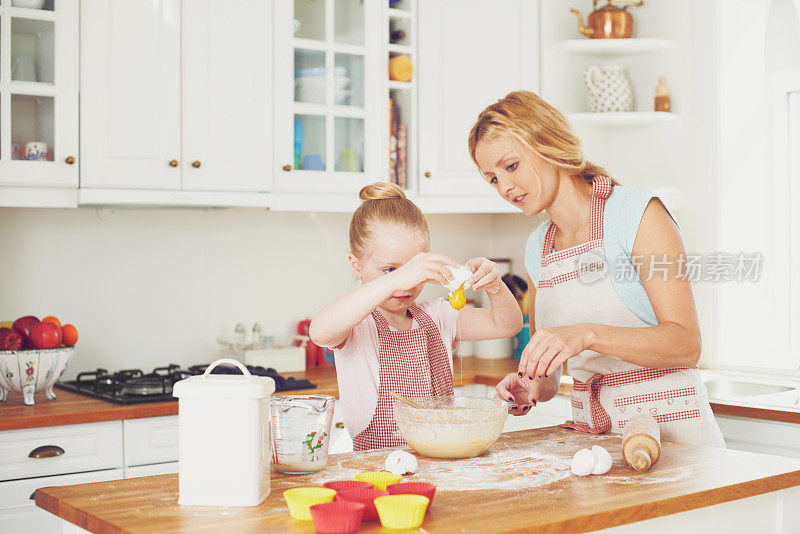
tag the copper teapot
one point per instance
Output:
(608, 22)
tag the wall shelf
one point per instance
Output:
(614, 47)
(621, 119)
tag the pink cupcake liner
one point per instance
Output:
(365, 497)
(347, 485)
(337, 517)
(425, 489)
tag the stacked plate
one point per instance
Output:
(310, 85)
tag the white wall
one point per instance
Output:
(149, 287)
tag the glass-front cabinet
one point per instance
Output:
(39, 93)
(328, 95)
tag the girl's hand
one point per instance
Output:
(551, 347)
(484, 275)
(520, 392)
(423, 268)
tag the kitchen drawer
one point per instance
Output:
(86, 447)
(150, 470)
(16, 493)
(20, 515)
(151, 440)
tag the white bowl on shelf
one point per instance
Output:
(28, 4)
(28, 371)
(320, 82)
(317, 96)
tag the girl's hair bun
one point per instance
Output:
(380, 191)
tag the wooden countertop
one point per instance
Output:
(72, 408)
(522, 485)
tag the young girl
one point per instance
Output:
(383, 340)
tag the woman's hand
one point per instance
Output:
(484, 275)
(423, 268)
(521, 393)
(551, 347)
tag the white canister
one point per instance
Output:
(223, 450)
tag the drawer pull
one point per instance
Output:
(46, 451)
(340, 425)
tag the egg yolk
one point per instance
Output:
(457, 298)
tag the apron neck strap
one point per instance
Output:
(383, 326)
(601, 190)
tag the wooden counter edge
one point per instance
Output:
(584, 523)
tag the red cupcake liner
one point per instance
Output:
(413, 488)
(347, 485)
(337, 517)
(366, 497)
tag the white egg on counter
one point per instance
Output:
(401, 463)
(602, 460)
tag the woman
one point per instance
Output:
(605, 273)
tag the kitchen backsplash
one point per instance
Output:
(150, 286)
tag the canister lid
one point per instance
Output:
(244, 386)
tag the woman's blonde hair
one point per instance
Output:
(382, 203)
(526, 119)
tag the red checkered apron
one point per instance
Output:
(575, 287)
(413, 363)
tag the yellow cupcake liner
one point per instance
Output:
(402, 511)
(379, 479)
(301, 499)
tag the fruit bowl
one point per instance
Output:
(29, 371)
(451, 427)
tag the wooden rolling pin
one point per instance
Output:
(641, 442)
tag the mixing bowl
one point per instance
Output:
(451, 427)
(30, 371)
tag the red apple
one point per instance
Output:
(45, 336)
(23, 326)
(10, 339)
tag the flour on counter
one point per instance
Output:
(500, 470)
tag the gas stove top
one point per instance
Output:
(132, 386)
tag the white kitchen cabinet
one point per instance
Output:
(327, 105)
(167, 468)
(20, 515)
(760, 435)
(150, 440)
(472, 53)
(39, 104)
(340, 439)
(176, 97)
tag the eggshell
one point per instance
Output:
(460, 276)
(401, 463)
(582, 463)
(602, 460)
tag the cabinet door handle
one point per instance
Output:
(46, 451)
(70, 160)
(287, 168)
(196, 164)
(340, 425)
(427, 174)
(173, 163)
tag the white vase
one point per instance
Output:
(608, 89)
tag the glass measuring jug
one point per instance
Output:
(301, 430)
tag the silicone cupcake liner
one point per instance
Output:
(300, 499)
(366, 497)
(379, 479)
(402, 511)
(337, 517)
(346, 485)
(425, 489)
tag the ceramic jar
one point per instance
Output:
(608, 89)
